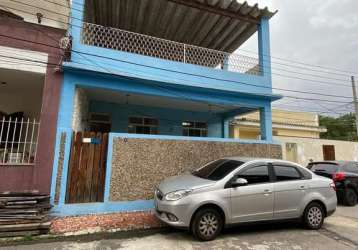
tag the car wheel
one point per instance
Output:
(207, 224)
(350, 198)
(314, 216)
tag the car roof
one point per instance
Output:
(255, 159)
(333, 162)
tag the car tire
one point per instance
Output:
(313, 216)
(350, 197)
(207, 224)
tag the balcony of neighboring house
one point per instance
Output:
(185, 42)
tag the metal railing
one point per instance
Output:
(117, 39)
(18, 141)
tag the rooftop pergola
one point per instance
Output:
(216, 24)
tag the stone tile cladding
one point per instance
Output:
(138, 165)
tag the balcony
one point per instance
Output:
(131, 42)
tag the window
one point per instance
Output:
(255, 175)
(286, 173)
(143, 125)
(329, 168)
(351, 167)
(199, 129)
(217, 170)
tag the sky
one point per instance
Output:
(315, 32)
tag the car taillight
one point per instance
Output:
(333, 186)
(339, 176)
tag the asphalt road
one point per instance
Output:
(340, 232)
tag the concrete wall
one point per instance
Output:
(54, 14)
(312, 149)
(139, 164)
(170, 120)
(80, 110)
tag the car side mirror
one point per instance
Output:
(239, 182)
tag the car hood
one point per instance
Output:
(181, 182)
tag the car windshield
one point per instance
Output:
(323, 167)
(216, 170)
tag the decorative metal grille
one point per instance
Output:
(112, 38)
(18, 141)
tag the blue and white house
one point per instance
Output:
(158, 70)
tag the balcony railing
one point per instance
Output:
(117, 39)
(18, 141)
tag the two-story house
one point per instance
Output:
(149, 92)
(30, 85)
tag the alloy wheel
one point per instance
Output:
(208, 225)
(315, 216)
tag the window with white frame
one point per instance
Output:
(198, 129)
(143, 125)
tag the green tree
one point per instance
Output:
(340, 128)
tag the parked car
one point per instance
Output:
(345, 176)
(235, 190)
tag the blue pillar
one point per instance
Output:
(264, 49)
(77, 12)
(226, 127)
(266, 123)
(64, 126)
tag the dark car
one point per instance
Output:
(344, 175)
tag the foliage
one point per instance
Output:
(340, 128)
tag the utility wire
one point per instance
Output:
(278, 74)
(348, 73)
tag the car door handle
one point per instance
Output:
(267, 191)
(302, 187)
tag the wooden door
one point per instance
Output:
(87, 167)
(329, 153)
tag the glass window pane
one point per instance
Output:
(150, 121)
(256, 175)
(201, 125)
(218, 169)
(136, 120)
(286, 173)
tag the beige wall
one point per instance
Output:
(285, 123)
(54, 14)
(307, 149)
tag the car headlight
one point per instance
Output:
(177, 195)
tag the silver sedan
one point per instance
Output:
(235, 190)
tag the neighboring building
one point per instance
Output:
(304, 150)
(284, 123)
(299, 136)
(160, 82)
(30, 84)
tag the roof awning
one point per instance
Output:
(216, 24)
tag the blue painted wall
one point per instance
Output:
(170, 120)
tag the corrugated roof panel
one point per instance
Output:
(173, 21)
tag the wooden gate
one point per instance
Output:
(87, 167)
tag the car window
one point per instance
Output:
(217, 170)
(351, 167)
(286, 173)
(323, 167)
(255, 175)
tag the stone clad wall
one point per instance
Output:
(138, 165)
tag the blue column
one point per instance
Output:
(226, 127)
(266, 123)
(264, 49)
(77, 13)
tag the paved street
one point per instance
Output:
(340, 232)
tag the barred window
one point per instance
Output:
(198, 129)
(143, 125)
